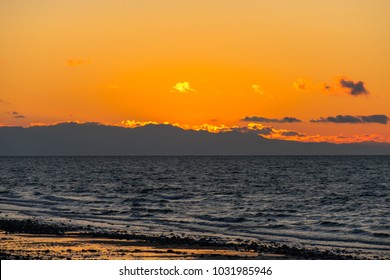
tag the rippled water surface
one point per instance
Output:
(338, 202)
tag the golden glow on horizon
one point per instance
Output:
(262, 130)
(108, 61)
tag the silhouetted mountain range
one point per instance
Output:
(90, 139)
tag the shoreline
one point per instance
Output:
(31, 239)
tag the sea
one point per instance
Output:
(325, 202)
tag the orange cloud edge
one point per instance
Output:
(268, 132)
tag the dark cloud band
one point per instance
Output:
(266, 120)
(381, 119)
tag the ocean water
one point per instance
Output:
(332, 202)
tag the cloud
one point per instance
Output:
(338, 119)
(207, 127)
(301, 85)
(339, 85)
(133, 124)
(77, 62)
(381, 119)
(266, 120)
(264, 131)
(354, 88)
(255, 128)
(259, 129)
(327, 87)
(16, 115)
(271, 132)
(292, 133)
(182, 87)
(257, 88)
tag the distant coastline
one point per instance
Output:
(90, 139)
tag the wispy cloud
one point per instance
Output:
(380, 119)
(267, 120)
(16, 115)
(338, 139)
(340, 85)
(257, 88)
(77, 62)
(301, 85)
(182, 87)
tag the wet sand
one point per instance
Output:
(30, 239)
(77, 247)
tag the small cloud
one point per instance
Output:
(327, 87)
(256, 128)
(16, 115)
(290, 120)
(77, 62)
(182, 87)
(354, 88)
(257, 88)
(267, 120)
(301, 85)
(292, 133)
(381, 119)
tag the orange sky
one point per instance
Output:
(199, 62)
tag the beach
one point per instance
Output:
(32, 239)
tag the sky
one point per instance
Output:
(296, 70)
